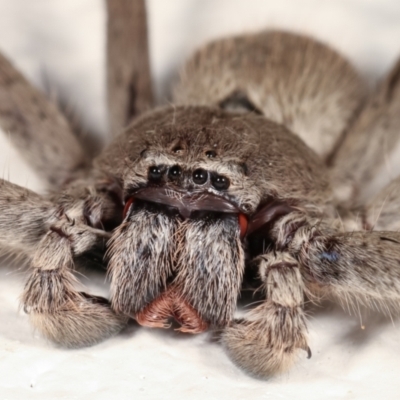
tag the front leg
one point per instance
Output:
(353, 267)
(269, 338)
(56, 308)
(24, 218)
(50, 233)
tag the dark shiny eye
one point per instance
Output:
(175, 172)
(177, 149)
(200, 176)
(220, 182)
(155, 173)
(211, 154)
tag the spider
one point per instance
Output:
(254, 175)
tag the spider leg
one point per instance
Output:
(291, 79)
(51, 234)
(56, 307)
(358, 266)
(354, 267)
(383, 211)
(24, 217)
(269, 338)
(37, 128)
(371, 145)
(313, 257)
(128, 69)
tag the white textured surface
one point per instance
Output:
(64, 41)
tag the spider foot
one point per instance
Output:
(82, 322)
(65, 316)
(268, 341)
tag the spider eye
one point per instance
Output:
(200, 176)
(220, 182)
(155, 173)
(211, 154)
(177, 149)
(175, 172)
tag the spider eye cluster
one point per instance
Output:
(199, 176)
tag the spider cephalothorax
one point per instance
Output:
(193, 181)
(259, 167)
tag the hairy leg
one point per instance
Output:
(51, 297)
(383, 211)
(24, 217)
(370, 144)
(37, 128)
(128, 69)
(355, 266)
(291, 79)
(269, 338)
(312, 256)
(51, 234)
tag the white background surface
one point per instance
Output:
(62, 42)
